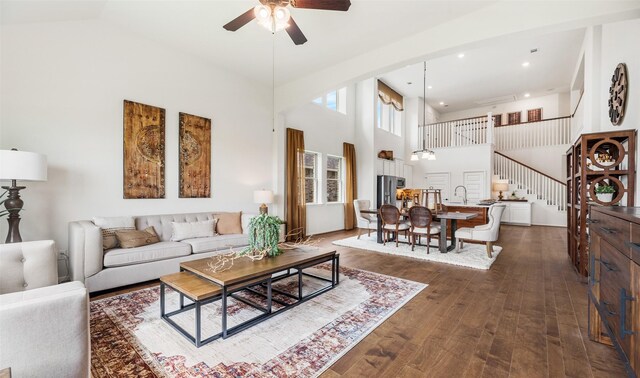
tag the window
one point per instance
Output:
(334, 179)
(310, 177)
(534, 115)
(389, 119)
(497, 120)
(334, 100)
(514, 118)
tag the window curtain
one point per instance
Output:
(296, 210)
(351, 188)
(390, 97)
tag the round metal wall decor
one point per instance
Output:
(618, 94)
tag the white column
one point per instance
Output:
(490, 127)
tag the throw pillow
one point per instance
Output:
(109, 226)
(190, 230)
(137, 238)
(229, 223)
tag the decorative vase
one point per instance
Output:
(605, 197)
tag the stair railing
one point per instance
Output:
(532, 180)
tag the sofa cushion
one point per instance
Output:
(163, 223)
(200, 245)
(136, 238)
(147, 253)
(109, 226)
(229, 223)
(190, 230)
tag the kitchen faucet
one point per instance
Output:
(455, 193)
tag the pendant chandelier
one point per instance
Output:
(424, 152)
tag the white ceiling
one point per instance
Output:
(196, 27)
(494, 71)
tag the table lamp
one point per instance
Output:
(263, 197)
(24, 166)
(500, 186)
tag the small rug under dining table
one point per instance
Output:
(128, 337)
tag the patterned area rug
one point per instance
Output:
(471, 256)
(128, 338)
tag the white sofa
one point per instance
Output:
(119, 267)
(44, 327)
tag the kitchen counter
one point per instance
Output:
(460, 204)
(481, 210)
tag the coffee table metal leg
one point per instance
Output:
(299, 283)
(198, 325)
(269, 294)
(333, 272)
(162, 299)
(224, 312)
(181, 301)
(337, 269)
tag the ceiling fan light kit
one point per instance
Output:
(274, 15)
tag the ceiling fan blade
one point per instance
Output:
(295, 33)
(240, 21)
(337, 5)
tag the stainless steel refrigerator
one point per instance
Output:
(386, 190)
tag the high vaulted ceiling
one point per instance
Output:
(494, 73)
(195, 27)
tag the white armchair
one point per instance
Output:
(44, 327)
(487, 233)
(365, 221)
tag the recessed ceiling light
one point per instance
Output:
(441, 102)
(429, 87)
(461, 55)
(527, 95)
(525, 64)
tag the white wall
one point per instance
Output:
(620, 45)
(546, 159)
(456, 161)
(604, 47)
(324, 132)
(62, 95)
(365, 136)
(553, 105)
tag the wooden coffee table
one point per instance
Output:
(201, 286)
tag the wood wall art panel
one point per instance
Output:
(195, 156)
(144, 131)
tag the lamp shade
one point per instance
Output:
(263, 196)
(22, 165)
(500, 186)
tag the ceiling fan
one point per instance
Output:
(274, 15)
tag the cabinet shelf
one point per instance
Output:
(620, 146)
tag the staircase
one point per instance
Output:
(537, 186)
(528, 141)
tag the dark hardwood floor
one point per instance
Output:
(525, 317)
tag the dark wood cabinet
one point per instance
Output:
(614, 281)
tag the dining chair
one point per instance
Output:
(366, 221)
(421, 221)
(391, 223)
(487, 233)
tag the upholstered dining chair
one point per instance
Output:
(420, 218)
(365, 221)
(391, 222)
(487, 233)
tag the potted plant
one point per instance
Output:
(264, 235)
(604, 192)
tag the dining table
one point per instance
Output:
(454, 216)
